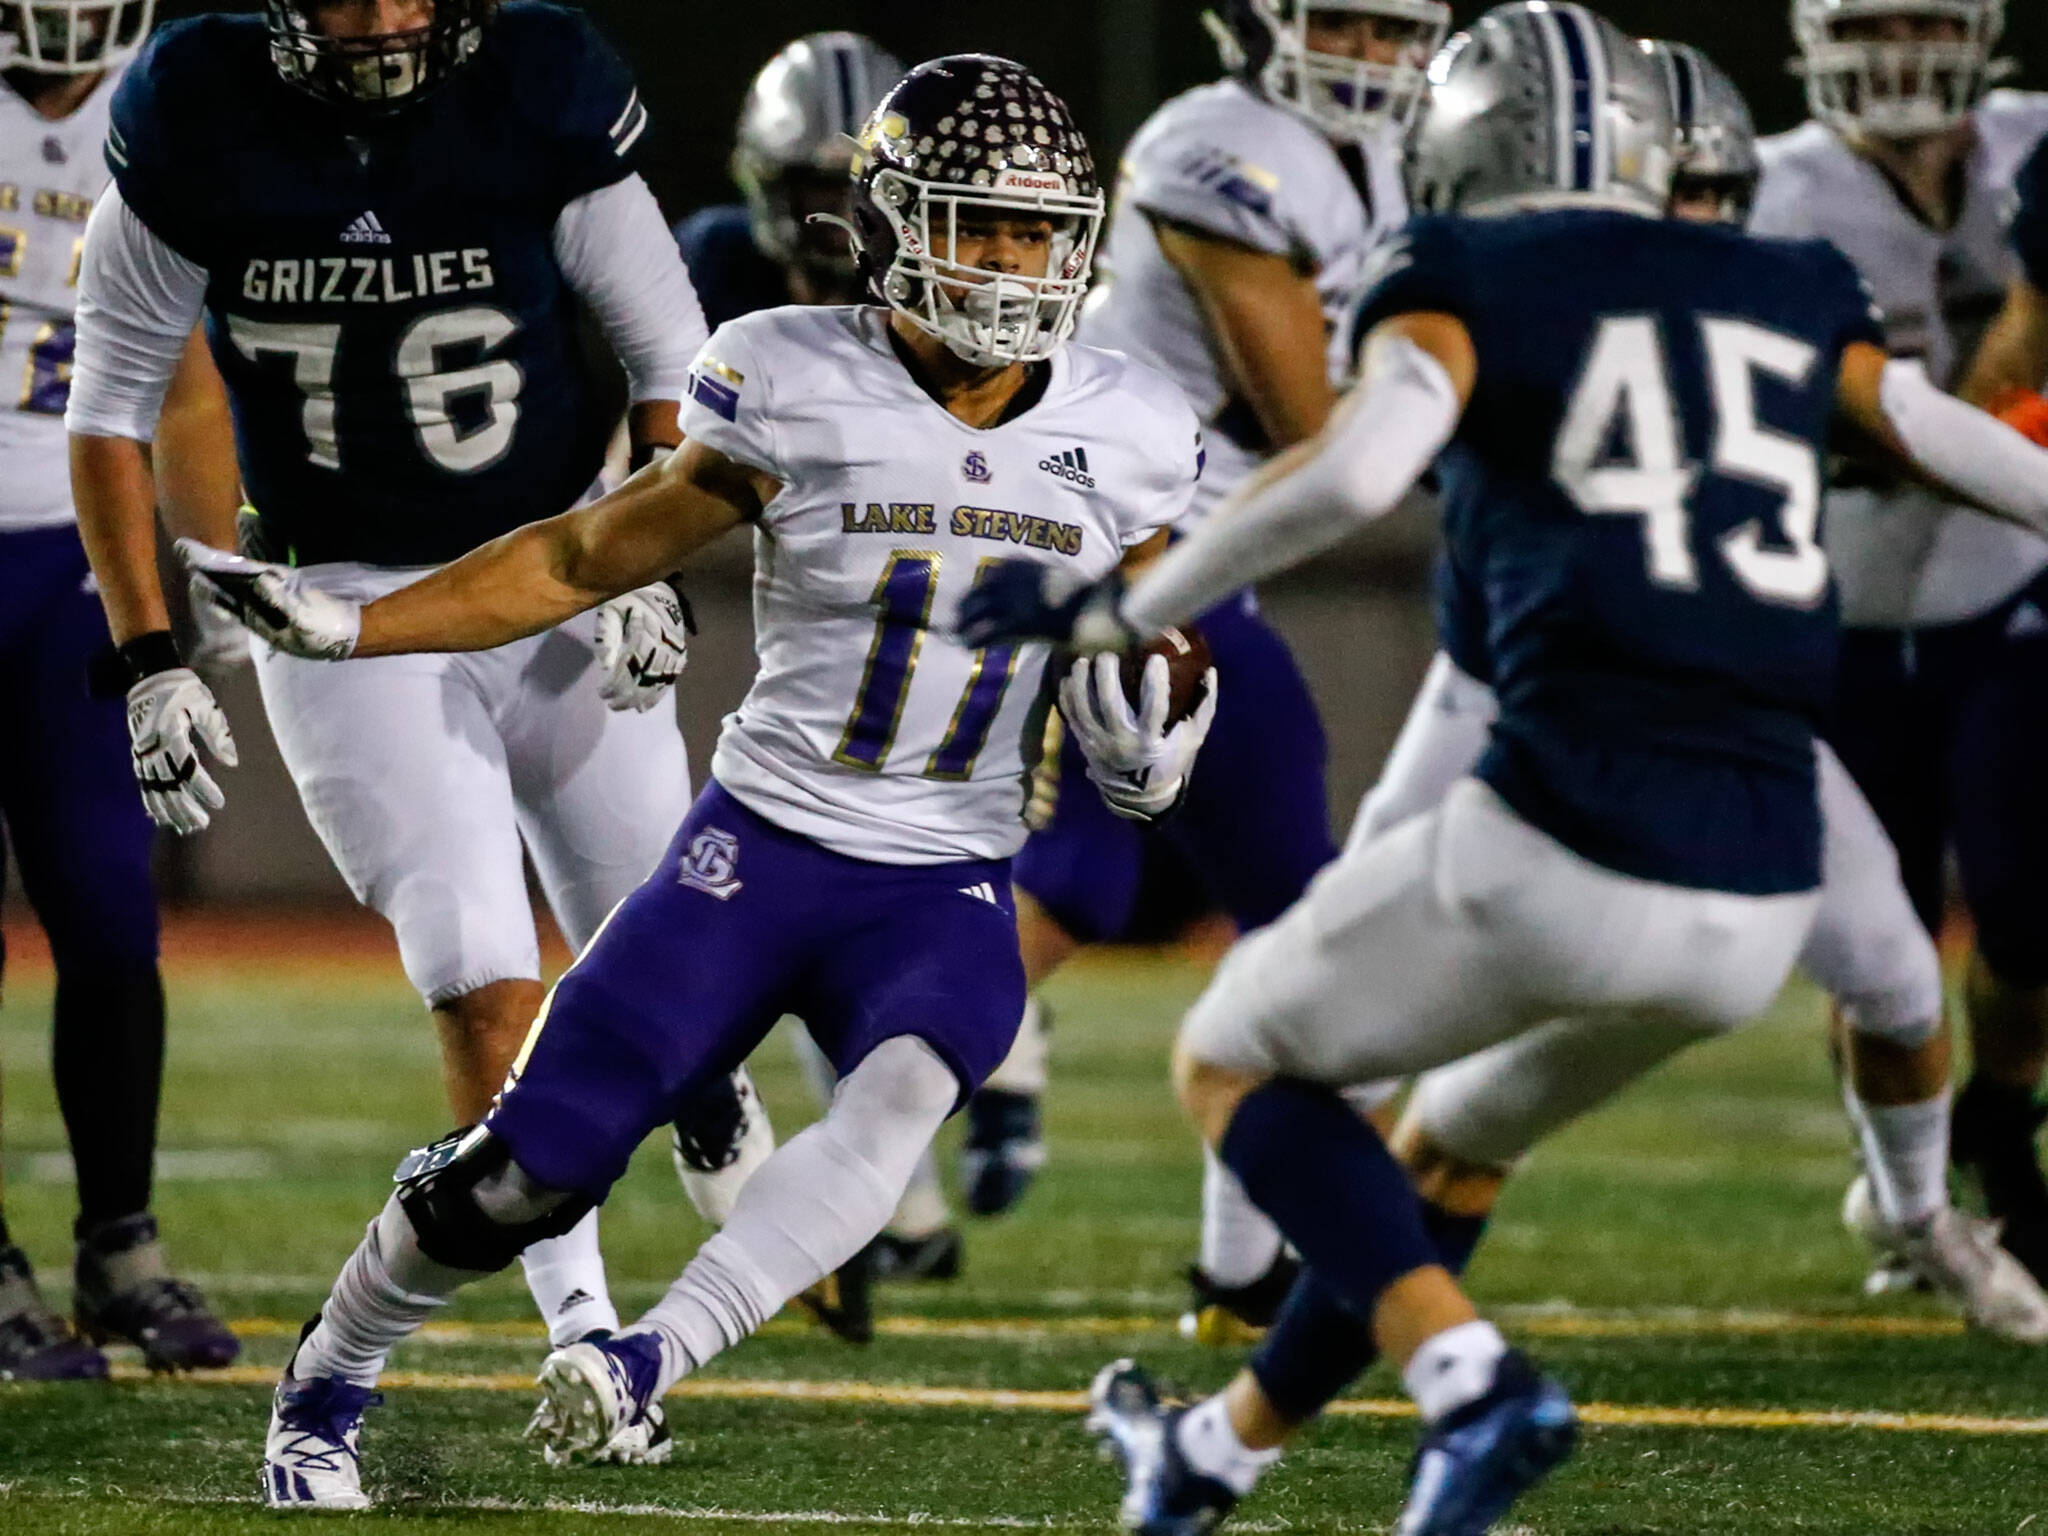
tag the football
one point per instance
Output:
(1187, 668)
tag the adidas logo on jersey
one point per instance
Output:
(1071, 465)
(366, 230)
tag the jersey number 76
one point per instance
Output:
(1627, 381)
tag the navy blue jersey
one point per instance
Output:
(2030, 216)
(399, 345)
(1633, 494)
(731, 276)
(1461, 619)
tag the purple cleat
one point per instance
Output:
(36, 1344)
(125, 1291)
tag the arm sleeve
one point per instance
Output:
(1193, 182)
(2030, 217)
(617, 253)
(728, 404)
(1376, 447)
(137, 303)
(1977, 456)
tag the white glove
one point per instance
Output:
(168, 715)
(1138, 764)
(219, 642)
(275, 602)
(643, 644)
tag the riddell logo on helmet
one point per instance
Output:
(1030, 181)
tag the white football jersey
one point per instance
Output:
(870, 729)
(51, 173)
(1221, 161)
(1902, 556)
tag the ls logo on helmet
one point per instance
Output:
(712, 865)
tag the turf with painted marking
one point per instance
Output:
(1675, 1258)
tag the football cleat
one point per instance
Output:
(1991, 1142)
(935, 1256)
(36, 1344)
(1474, 1463)
(597, 1404)
(1890, 1271)
(844, 1301)
(1959, 1255)
(1163, 1495)
(123, 1290)
(718, 1141)
(1003, 1150)
(311, 1458)
(1226, 1315)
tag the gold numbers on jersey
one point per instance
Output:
(13, 250)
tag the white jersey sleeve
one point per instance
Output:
(138, 301)
(729, 403)
(1902, 556)
(1222, 162)
(617, 253)
(51, 176)
(870, 728)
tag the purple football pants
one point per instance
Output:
(741, 923)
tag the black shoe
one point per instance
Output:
(1992, 1144)
(1236, 1314)
(844, 1301)
(36, 1344)
(1473, 1464)
(1003, 1152)
(1163, 1495)
(935, 1256)
(122, 1290)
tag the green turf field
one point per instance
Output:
(1676, 1260)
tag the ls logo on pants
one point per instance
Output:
(712, 864)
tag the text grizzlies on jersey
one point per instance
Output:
(367, 279)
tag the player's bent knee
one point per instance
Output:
(1461, 1185)
(1210, 1093)
(889, 1107)
(474, 1208)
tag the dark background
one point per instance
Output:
(1114, 60)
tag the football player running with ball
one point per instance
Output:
(1244, 219)
(1908, 166)
(385, 211)
(1642, 838)
(849, 863)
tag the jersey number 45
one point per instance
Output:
(1626, 382)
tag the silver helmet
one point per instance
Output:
(1897, 69)
(797, 138)
(72, 37)
(1716, 138)
(1266, 43)
(1541, 105)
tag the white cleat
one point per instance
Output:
(1891, 1272)
(591, 1405)
(1958, 1254)
(309, 1456)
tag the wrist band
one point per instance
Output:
(112, 672)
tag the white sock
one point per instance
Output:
(1238, 1243)
(566, 1276)
(1905, 1154)
(1453, 1368)
(814, 1205)
(1027, 1068)
(816, 1067)
(1209, 1441)
(385, 1291)
(923, 1209)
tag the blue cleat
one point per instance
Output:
(599, 1404)
(311, 1453)
(1165, 1496)
(1003, 1151)
(1478, 1461)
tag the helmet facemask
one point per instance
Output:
(72, 37)
(992, 319)
(1896, 88)
(1344, 97)
(381, 72)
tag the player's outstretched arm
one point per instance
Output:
(1898, 415)
(522, 584)
(2012, 360)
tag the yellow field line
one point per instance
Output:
(1002, 1400)
(1533, 1325)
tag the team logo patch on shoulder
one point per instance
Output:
(712, 864)
(717, 387)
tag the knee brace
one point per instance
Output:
(474, 1208)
